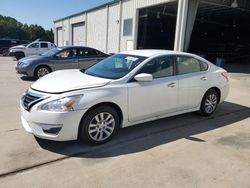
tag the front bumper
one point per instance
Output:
(24, 71)
(64, 125)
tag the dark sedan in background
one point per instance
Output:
(68, 57)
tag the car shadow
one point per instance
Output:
(152, 134)
(29, 79)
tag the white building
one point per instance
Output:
(212, 26)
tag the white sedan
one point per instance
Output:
(123, 90)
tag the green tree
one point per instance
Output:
(11, 28)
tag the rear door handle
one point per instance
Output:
(172, 84)
(204, 78)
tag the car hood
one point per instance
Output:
(32, 58)
(67, 80)
(18, 47)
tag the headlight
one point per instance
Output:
(63, 104)
(24, 64)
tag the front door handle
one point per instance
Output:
(172, 84)
(204, 78)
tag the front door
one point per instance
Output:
(33, 49)
(155, 98)
(67, 59)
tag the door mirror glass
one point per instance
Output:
(144, 77)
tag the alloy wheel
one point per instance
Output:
(101, 126)
(210, 103)
(42, 72)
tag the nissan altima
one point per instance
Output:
(123, 90)
(67, 57)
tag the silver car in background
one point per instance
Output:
(68, 57)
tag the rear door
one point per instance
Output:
(193, 81)
(44, 46)
(88, 57)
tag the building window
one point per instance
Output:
(128, 27)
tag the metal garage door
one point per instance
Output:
(78, 34)
(59, 36)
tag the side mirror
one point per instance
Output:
(143, 77)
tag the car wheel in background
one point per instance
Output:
(5, 52)
(19, 55)
(209, 102)
(99, 125)
(41, 71)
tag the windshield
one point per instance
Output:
(116, 66)
(51, 52)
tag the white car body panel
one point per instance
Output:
(139, 101)
(32, 51)
(67, 80)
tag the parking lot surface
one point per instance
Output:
(182, 151)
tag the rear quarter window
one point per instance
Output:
(204, 66)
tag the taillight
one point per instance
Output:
(226, 75)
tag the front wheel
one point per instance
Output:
(41, 71)
(209, 103)
(19, 55)
(99, 125)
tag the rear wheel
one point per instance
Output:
(42, 71)
(209, 102)
(99, 125)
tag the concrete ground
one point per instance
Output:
(181, 151)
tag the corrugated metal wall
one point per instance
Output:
(113, 28)
(104, 27)
(96, 29)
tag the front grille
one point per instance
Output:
(30, 100)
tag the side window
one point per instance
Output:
(86, 52)
(34, 45)
(67, 54)
(44, 45)
(204, 66)
(159, 67)
(187, 65)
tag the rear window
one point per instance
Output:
(44, 45)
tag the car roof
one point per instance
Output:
(151, 53)
(72, 46)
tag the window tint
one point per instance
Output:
(44, 45)
(159, 67)
(86, 52)
(5, 43)
(34, 45)
(116, 66)
(187, 65)
(67, 54)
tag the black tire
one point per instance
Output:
(209, 102)
(5, 52)
(41, 71)
(91, 128)
(19, 55)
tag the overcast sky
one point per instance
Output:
(44, 12)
